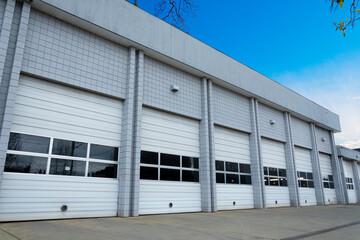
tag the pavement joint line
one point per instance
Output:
(321, 231)
(10, 234)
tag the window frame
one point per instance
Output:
(266, 169)
(49, 156)
(180, 168)
(238, 173)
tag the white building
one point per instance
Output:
(108, 111)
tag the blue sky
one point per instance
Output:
(292, 42)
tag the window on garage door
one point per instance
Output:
(47, 155)
(168, 167)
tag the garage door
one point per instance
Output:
(233, 175)
(327, 176)
(169, 169)
(349, 178)
(305, 176)
(62, 155)
(275, 177)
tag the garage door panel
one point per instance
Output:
(326, 169)
(307, 197)
(349, 175)
(232, 146)
(165, 133)
(243, 196)
(273, 154)
(155, 197)
(51, 110)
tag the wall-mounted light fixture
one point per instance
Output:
(272, 122)
(357, 156)
(323, 139)
(174, 88)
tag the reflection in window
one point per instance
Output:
(305, 179)
(28, 143)
(102, 170)
(104, 152)
(69, 148)
(25, 164)
(67, 167)
(190, 176)
(275, 177)
(190, 162)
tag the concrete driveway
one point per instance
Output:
(320, 222)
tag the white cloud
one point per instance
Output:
(335, 85)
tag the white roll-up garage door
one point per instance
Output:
(349, 178)
(274, 162)
(62, 154)
(327, 176)
(169, 169)
(233, 176)
(305, 176)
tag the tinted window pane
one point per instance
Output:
(299, 183)
(67, 167)
(28, 143)
(298, 174)
(331, 185)
(149, 173)
(274, 181)
(351, 181)
(310, 184)
(309, 175)
(347, 180)
(326, 185)
(25, 164)
(325, 177)
(283, 182)
(303, 175)
(303, 184)
(282, 172)
(331, 178)
(245, 168)
(149, 157)
(266, 180)
(104, 152)
(190, 162)
(245, 179)
(273, 171)
(220, 178)
(169, 174)
(232, 178)
(232, 167)
(69, 148)
(169, 160)
(102, 170)
(348, 186)
(266, 171)
(219, 165)
(190, 176)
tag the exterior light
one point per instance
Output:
(174, 88)
(272, 122)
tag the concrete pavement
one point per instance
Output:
(318, 222)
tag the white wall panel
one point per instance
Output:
(349, 174)
(168, 133)
(155, 197)
(50, 109)
(31, 196)
(227, 194)
(307, 196)
(233, 146)
(273, 154)
(325, 166)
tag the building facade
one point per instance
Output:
(108, 111)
